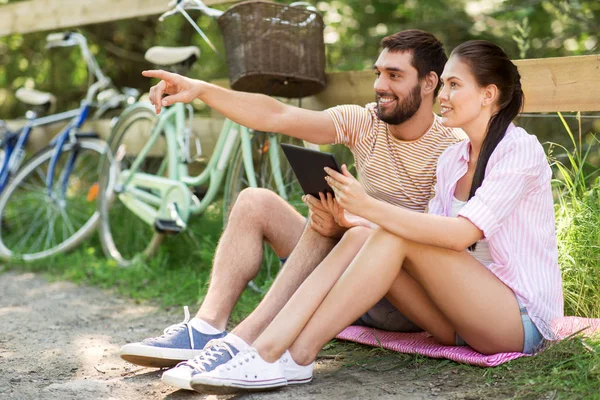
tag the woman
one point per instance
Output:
(480, 269)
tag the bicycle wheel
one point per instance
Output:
(38, 223)
(124, 236)
(237, 181)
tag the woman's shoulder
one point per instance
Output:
(520, 141)
(519, 146)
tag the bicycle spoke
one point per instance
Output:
(67, 222)
(33, 228)
(50, 232)
(38, 225)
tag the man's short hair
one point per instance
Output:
(427, 51)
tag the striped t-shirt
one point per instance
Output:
(392, 170)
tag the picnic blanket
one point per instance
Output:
(424, 344)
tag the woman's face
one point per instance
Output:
(461, 97)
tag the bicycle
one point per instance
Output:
(12, 144)
(49, 204)
(150, 196)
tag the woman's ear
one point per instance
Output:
(430, 82)
(490, 95)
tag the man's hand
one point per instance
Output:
(341, 216)
(321, 220)
(178, 88)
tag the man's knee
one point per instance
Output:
(254, 202)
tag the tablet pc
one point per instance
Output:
(308, 165)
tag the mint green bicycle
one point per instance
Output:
(146, 194)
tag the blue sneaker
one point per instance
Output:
(216, 352)
(178, 343)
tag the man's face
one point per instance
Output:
(397, 87)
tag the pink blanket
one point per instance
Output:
(422, 343)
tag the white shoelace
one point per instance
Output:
(170, 330)
(241, 358)
(215, 347)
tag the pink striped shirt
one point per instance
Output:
(515, 210)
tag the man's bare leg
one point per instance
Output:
(258, 215)
(308, 253)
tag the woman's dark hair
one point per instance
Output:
(490, 65)
(427, 51)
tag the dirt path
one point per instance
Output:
(61, 341)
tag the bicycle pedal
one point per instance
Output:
(167, 226)
(199, 191)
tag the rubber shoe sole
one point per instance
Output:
(299, 381)
(178, 378)
(155, 357)
(212, 386)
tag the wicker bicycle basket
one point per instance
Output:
(274, 49)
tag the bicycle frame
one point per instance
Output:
(17, 140)
(14, 153)
(174, 189)
(171, 199)
(68, 133)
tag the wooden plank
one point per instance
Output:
(550, 85)
(561, 84)
(43, 15)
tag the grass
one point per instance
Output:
(179, 275)
(577, 193)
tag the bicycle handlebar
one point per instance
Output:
(68, 39)
(178, 5)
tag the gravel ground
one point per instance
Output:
(61, 341)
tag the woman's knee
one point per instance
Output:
(381, 234)
(357, 233)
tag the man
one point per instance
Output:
(395, 141)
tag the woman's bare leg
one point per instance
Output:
(288, 323)
(470, 299)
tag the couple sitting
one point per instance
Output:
(478, 268)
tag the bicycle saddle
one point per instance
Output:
(35, 97)
(160, 55)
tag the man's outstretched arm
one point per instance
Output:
(256, 111)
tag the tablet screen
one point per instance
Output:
(308, 166)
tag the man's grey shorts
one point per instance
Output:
(384, 315)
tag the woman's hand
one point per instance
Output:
(349, 193)
(341, 216)
(178, 88)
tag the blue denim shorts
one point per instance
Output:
(533, 340)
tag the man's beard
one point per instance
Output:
(404, 109)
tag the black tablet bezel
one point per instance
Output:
(308, 166)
